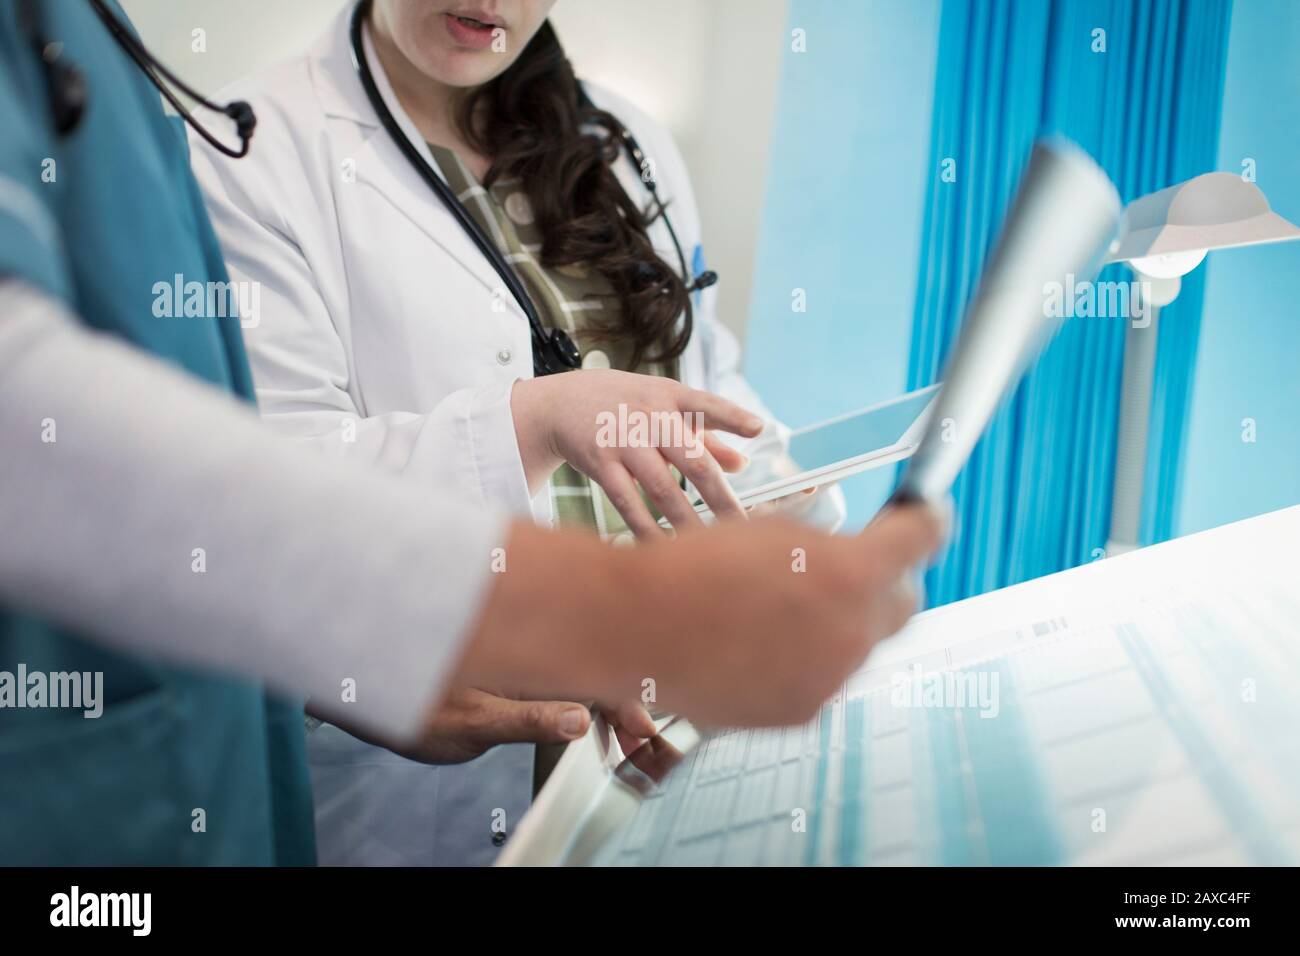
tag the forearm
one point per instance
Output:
(158, 515)
(556, 620)
(718, 625)
(574, 617)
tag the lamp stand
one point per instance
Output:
(1136, 386)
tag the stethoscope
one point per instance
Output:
(68, 89)
(553, 349)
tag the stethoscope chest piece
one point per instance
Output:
(558, 353)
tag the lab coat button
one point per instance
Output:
(498, 839)
(504, 357)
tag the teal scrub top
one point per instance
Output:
(182, 767)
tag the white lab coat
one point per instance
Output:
(382, 334)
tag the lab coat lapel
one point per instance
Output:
(379, 162)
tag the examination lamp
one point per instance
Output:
(1163, 237)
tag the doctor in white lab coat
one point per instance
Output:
(377, 331)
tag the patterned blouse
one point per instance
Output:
(573, 298)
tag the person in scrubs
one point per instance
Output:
(383, 336)
(209, 577)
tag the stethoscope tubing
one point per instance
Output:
(553, 350)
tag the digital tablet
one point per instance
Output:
(859, 441)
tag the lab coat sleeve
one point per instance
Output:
(465, 445)
(158, 515)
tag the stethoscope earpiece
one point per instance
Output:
(70, 93)
(245, 119)
(702, 281)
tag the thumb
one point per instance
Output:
(901, 536)
(539, 721)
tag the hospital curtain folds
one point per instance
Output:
(1036, 495)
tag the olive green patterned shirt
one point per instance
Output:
(574, 298)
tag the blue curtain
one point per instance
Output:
(1035, 497)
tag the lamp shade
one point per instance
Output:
(1213, 211)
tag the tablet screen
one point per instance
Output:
(873, 429)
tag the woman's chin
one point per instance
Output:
(464, 69)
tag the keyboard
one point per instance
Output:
(1154, 726)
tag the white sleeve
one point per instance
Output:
(466, 444)
(158, 515)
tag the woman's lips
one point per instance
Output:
(470, 33)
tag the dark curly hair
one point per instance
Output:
(530, 121)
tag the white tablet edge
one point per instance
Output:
(875, 458)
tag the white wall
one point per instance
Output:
(844, 217)
(241, 35)
(707, 68)
(1250, 336)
